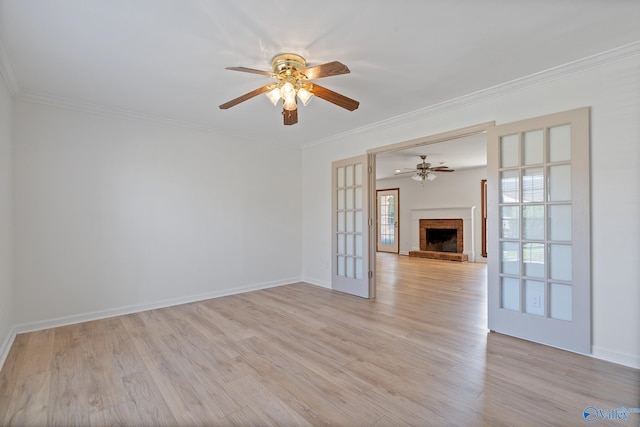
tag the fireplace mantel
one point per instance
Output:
(464, 213)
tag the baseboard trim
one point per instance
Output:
(608, 355)
(137, 308)
(6, 346)
(315, 282)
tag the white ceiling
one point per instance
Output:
(165, 59)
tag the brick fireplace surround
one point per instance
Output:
(441, 223)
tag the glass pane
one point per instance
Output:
(533, 259)
(560, 143)
(359, 245)
(359, 268)
(560, 183)
(350, 222)
(358, 173)
(340, 177)
(510, 258)
(560, 222)
(349, 175)
(349, 267)
(340, 199)
(510, 293)
(510, 222)
(509, 186)
(341, 225)
(533, 222)
(560, 304)
(534, 297)
(509, 151)
(358, 204)
(349, 197)
(340, 247)
(533, 185)
(533, 147)
(350, 244)
(560, 262)
(341, 266)
(358, 221)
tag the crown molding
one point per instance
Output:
(618, 54)
(6, 70)
(598, 60)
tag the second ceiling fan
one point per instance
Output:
(294, 82)
(424, 171)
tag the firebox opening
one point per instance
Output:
(442, 239)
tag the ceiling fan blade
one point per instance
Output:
(402, 173)
(290, 117)
(334, 97)
(329, 69)
(443, 170)
(244, 97)
(250, 70)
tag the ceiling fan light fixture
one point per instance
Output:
(418, 177)
(292, 75)
(431, 176)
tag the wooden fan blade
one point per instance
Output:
(334, 97)
(329, 69)
(290, 117)
(443, 170)
(250, 70)
(403, 173)
(244, 97)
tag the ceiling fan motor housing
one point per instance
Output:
(288, 63)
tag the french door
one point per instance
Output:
(351, 269)
(539, 282)
(388, 216)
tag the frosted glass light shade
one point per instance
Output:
(274, 95)
(290, 103)
(304, 95)
(289, 97)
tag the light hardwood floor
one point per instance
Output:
(302, 355)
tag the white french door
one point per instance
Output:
(539, 282)
(351, 270)
(388, 216)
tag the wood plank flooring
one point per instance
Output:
(300, 355)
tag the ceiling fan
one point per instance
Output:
(424, 172)
(294, 81)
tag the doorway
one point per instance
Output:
(463, 151)
(388, 214)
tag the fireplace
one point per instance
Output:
(441, 238)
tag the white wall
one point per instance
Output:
(112, 215)
(6, 279)
(449, 190)
(613, 92)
